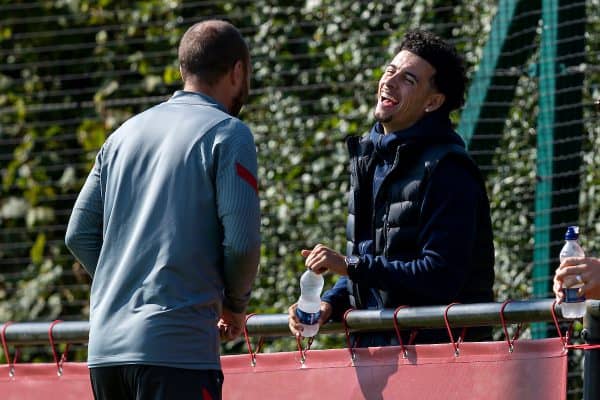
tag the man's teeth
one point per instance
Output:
(387, 100)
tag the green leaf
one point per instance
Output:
(37, 250)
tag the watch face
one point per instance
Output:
(352, 260)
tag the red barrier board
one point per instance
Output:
(536, 369)
(41, 381)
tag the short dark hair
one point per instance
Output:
(450, 76)
(210, 48)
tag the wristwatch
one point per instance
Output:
(352, 263)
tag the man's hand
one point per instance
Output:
(294, 323)
(575, 270)
(321, 258)
(231, 325)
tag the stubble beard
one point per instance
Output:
(237, 103)
(383, 119)
(239, 99)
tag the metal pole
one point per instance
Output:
(460, 315)
(591, 363)
(36, 333)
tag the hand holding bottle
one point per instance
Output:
(322, 259)
(294, 324)
(573, 269)
(573, 300)
(308, 310)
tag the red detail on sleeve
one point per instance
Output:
(247, 176)
(206, 395)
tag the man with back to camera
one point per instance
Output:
(167, 224)
(419, 229)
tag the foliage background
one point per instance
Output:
(71, 71)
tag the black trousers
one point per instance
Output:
(150, 382)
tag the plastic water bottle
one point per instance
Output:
(573, 305)
(309, 303)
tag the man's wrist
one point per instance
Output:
(352, 264)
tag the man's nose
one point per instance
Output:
(390, 81)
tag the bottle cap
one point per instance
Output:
(572, 233)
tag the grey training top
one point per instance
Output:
(167, 224)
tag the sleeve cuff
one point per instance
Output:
(355, 272)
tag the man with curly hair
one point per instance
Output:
(419, 230)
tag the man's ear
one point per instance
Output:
(237, 72)
(434, 102)
(181, 73)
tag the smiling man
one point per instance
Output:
(419, 230)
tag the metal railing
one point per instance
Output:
(459, 315)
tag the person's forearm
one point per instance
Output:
(84, 239)
(241, 267)
(337, 296)
(431, 277)
(84, 236)
(241, 225)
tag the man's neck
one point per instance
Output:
(213, 91)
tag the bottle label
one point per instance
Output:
(308, 318)
(571, 295)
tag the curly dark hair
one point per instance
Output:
(450, 75)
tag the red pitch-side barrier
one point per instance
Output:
(535, 369)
